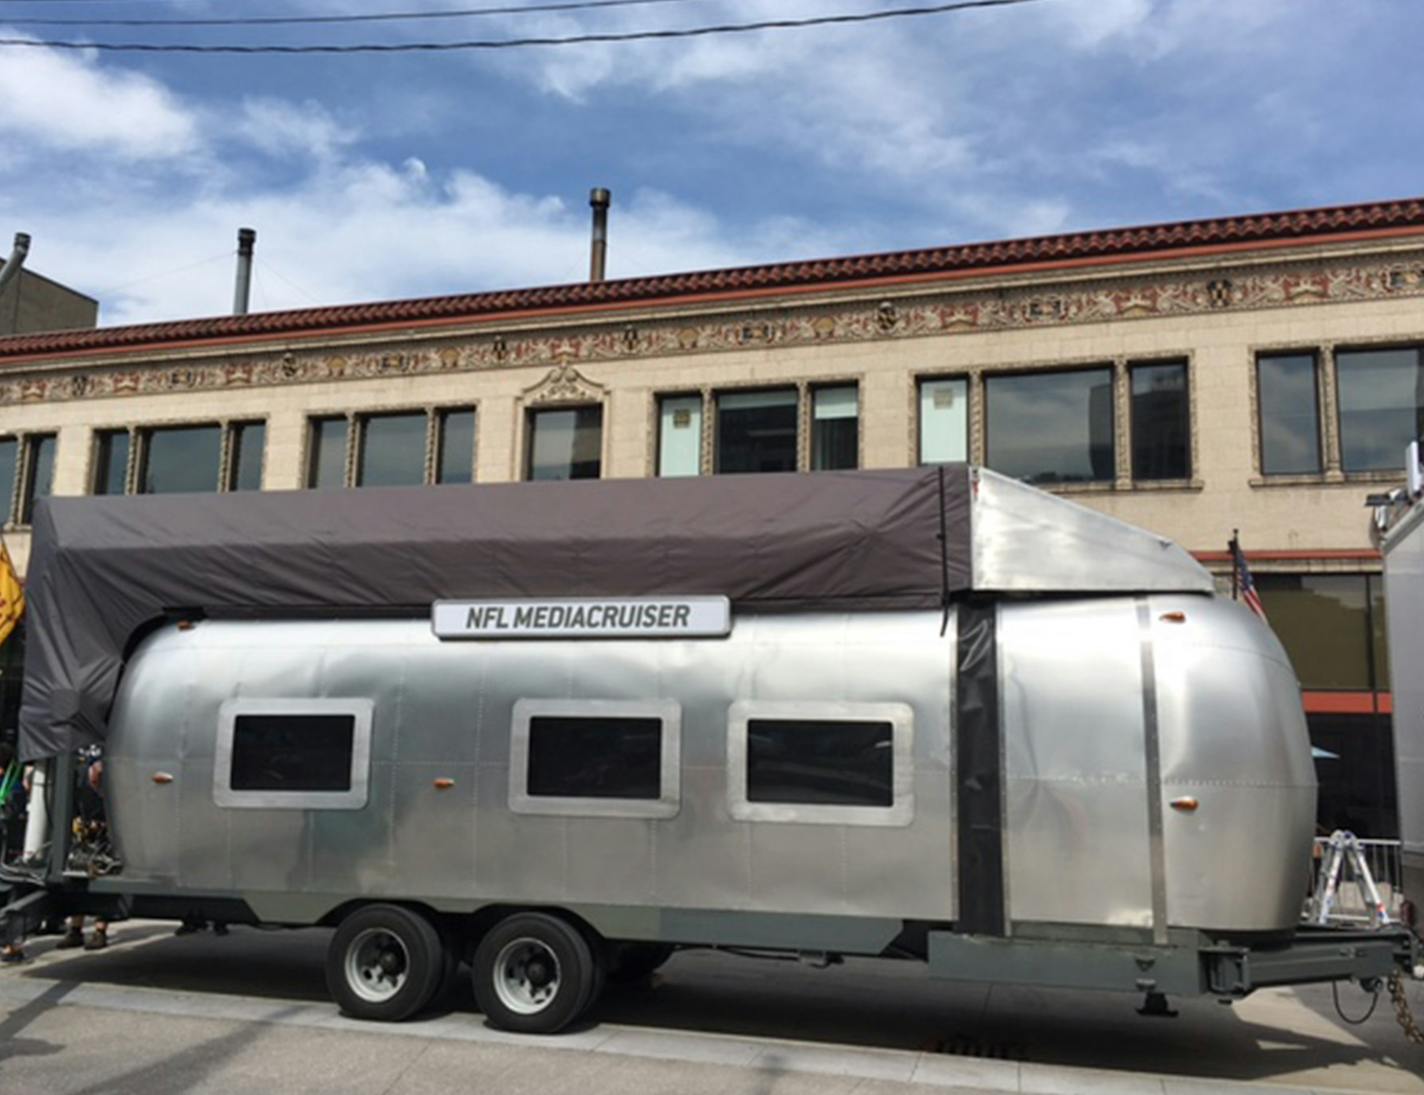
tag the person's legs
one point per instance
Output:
(99, 937)
(74, 937)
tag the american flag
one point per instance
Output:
(1242, 585)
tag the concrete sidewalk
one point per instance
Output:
(248, 1012)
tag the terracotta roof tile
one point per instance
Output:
(1122, 243)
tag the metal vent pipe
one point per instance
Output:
(242, 291)
(11, 270)
(600, 199)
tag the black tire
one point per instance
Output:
(633, 963)
(385, 962)
(533, 973)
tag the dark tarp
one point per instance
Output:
(103, 568)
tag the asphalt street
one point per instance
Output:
(249, 1013)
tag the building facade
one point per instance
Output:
(31, 302)
(1259, 373)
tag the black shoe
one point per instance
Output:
(72, 938)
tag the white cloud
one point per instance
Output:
(70, 101)
(276, 126)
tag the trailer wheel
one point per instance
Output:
(534, 973)
(385, 962)
(630, 963)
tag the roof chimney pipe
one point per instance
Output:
(600, 199)
(241, 294)
(11, 270)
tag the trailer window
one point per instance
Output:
(842, 763)
(581, 757)
(595, 757)
(820, 761)
(291, 753)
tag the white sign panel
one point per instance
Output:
(583, 618)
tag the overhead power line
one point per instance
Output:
(524, 43)
(313, 20)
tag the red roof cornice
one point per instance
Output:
(1185, 239)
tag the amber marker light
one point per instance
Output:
(162, 777)
(443, 784)
(1173, 617)
(1187, 804)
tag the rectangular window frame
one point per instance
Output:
(1323, 461)
(359, 708)
(900, 812)
(1108, 366)
(24, 506)
(531, 416)
(1344, 350)
(918, 413)
(666, 805)
(1188, 397)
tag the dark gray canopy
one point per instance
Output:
(102, 569)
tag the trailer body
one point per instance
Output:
(1403, 549)
(949, 718)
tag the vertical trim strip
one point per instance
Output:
(978, 773)
(1153, 750)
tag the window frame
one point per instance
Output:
(669, 800)
(356, 421)
(917, 416)
(710, 395)
(361, 709)
(1133, 365)
(1323, 458)
(1336, 352)
(531, 414)
(900, 812)
(1098, 365)
(23, 502)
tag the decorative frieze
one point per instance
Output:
(945, 313)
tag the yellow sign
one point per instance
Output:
(12, 594)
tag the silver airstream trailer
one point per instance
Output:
(558, 730)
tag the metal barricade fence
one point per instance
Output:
(1382, 857)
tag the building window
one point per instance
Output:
(391, 451)
(756, 431)
(38, 473)
(1332, 626)
(679, 435)
(9, 468)
(818, 762)
(249, 439)
(293, 754)
(391, 448)
(26, 473)
(1381, 394)
(944, 421)
(1161, 422)
(455, 441)
(835, 428)
(326, 453)
(1051, 427)
(180, 459)
(1290, 416)
(565, 443)
(600, 758)
(111, 462)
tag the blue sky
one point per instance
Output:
(410, 175)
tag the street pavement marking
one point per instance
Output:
(927, 1069)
